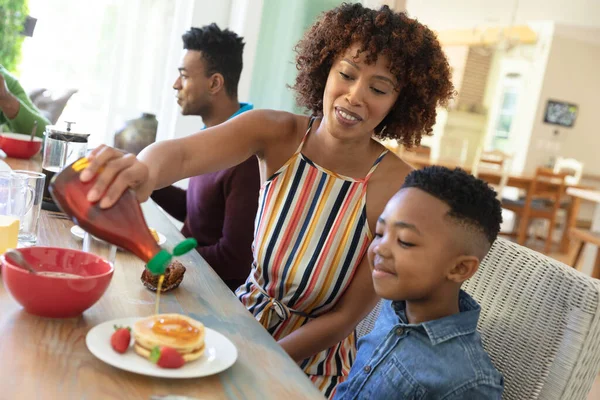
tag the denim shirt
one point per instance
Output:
(439, 359)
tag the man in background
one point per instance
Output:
(219, 208)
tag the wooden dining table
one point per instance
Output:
(589, 264)
(493, 176)
(43, 358)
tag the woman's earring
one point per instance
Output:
(383, 130)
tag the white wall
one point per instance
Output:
(466, 14)
(245, 19)
(572, 76)
(396, 5)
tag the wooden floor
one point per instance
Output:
(538, 245)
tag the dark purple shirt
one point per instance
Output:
(218, 211)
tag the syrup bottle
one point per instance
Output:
(123, 224)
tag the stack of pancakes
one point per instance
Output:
(177, 331)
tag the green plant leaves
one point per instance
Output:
(12, 19)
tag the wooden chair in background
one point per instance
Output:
(422, 151)
(542, 202)
(574, 171)
(493, 160)
(454, 151)
(572, 167)
(419, 151)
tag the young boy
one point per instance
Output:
(430, 238)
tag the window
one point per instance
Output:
(113, 52)
(508, 108)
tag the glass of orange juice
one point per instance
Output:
(16, 198)
(9, 232)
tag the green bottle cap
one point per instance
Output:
(185, 246)
(158, 264)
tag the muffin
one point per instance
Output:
(173, 277)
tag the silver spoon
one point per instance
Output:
(33, 131)
(17, 257)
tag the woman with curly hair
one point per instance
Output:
(364, 75)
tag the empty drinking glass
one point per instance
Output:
(16, 200)
(28, 231)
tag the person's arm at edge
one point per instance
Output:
(18, 110)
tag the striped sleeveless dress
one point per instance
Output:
(311, 234)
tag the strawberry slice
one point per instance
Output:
(120, 339)
(166, 357)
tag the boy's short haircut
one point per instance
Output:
(473, 203)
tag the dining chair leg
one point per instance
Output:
(516, 224)
(571, 221)
(578, 254)
(551, 226)
(596, 271)
(523, 226)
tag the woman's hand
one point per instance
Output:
(116, 172)
(329, 329)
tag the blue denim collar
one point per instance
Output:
(443, 329)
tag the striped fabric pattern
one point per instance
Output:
(311, 234)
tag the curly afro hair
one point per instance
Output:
(472, 202)
(417, 61)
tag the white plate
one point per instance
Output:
(219, 354)
(78, 233)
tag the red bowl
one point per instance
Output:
(57, 297)
(17, 145)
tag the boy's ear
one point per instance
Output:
(464, 268)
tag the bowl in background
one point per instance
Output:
(17, 145)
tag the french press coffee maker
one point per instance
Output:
(61, 148)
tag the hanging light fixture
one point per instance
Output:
(499, 38)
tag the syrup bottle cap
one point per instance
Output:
(159, 263)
